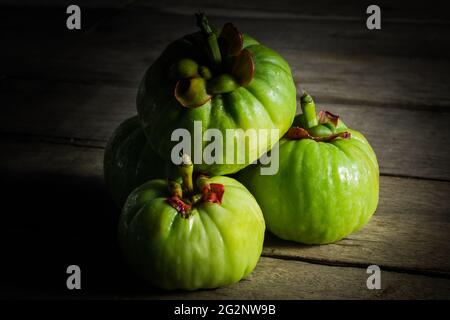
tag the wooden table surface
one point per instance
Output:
(63, 92)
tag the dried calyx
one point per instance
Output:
(185, 195)
(321, 128)
(230, 66)
(297, 133)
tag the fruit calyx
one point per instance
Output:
(328, 117)
(183, 197)
(231, 67)
(298, 133)
(210, 192)
(322, 128)
(183, 208)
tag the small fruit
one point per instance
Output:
(224, 80)
(185, 236)
(327, 183)
(129, 161)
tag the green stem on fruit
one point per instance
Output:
(211, 39)
(186, 170)
(309, 110)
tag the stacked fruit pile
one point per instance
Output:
(188, 226)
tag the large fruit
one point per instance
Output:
(129, 161)
(225, 82)
(327, 183)
(185, 236)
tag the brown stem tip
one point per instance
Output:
(327, 117)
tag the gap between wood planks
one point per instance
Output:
(343, 264)
(410, 229)
(101, 144)
(324, 98)
(260, 13)
(87, 115)
(325, 10)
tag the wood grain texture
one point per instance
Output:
(340, 63)
(385, 82)
(63, 94)
(409, 232)
(153, 27)
(283, 279)
(406, 142)
(399, 11)
(382, 82)
(337, 62)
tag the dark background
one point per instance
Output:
(63, 92)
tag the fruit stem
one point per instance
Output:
(309, 110)
(211, 39)
(186, 169)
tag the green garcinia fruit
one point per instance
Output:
(129, 161)
(225, 80)
(190, 234)
(327, 184)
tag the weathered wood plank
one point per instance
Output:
(65, 110)
(406, 142)
(409, 232)
(327, 59)
(394, 135)
(384, 82)
(284, 279)
(153, 27)
(272, 279)
(406, 83)
(399, 11)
